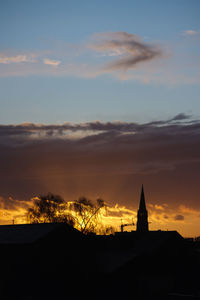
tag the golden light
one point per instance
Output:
(184, 219)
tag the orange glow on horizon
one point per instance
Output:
(185, 220)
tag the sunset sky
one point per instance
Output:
(98, 98)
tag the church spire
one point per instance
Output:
(142, 215)
(142, 205)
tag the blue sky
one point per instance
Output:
(57, 62)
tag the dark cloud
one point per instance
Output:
(179, 218)
(110, 160)
(127, 49)
(42, 131)
(180, 117)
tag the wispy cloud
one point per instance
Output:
(51, 62)
(129, 49)
(121, 51)
(191, 32)
(22, 58)
(13, 210)
(122, 55)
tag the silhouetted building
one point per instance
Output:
(54, 261)
(142, 215)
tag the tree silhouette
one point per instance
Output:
(87, 214)
(82, 213)
(48, 209)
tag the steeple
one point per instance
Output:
(142, 205)
(142, 215)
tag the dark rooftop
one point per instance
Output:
(29, 233)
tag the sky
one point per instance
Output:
(98, 97)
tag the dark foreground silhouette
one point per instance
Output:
(55, 261)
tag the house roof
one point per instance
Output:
(111, 259)
(29, 233)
